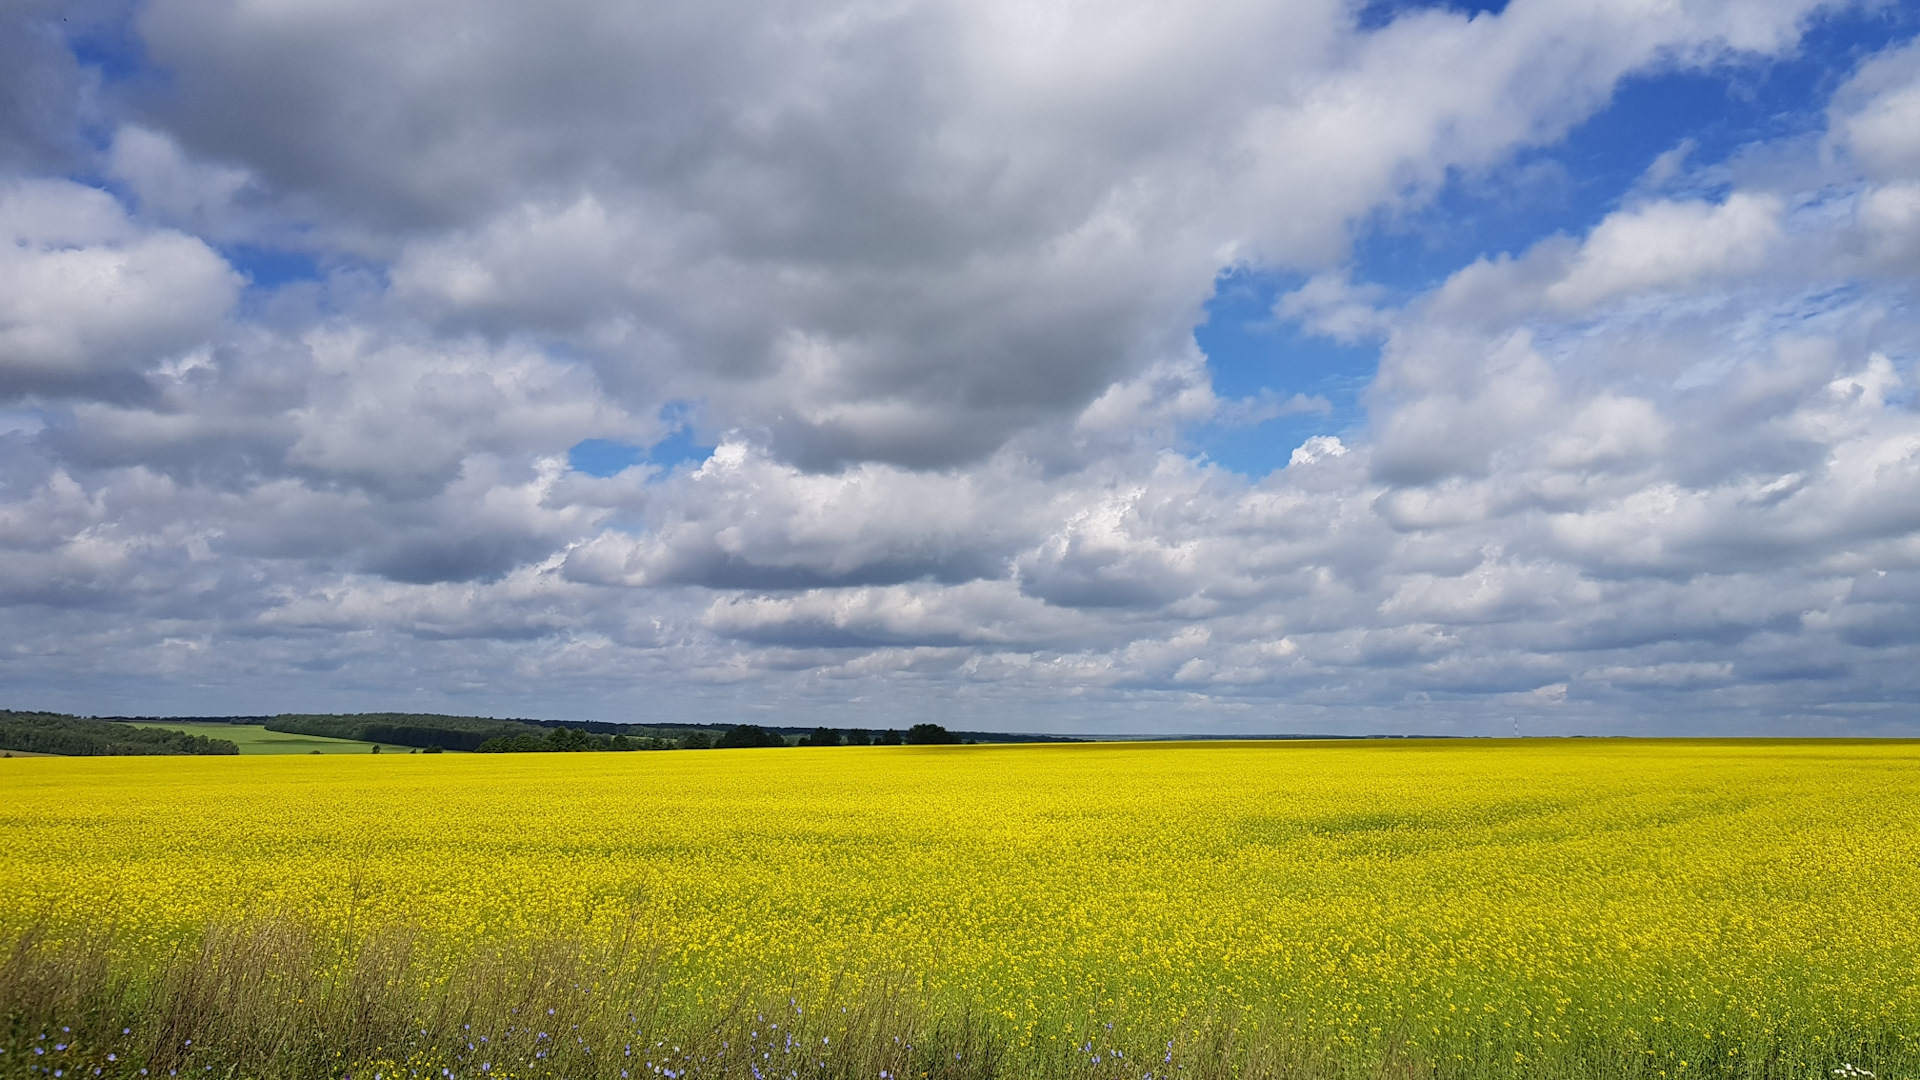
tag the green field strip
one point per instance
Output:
(255, 739)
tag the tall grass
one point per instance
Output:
(280, 1000)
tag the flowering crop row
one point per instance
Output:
(1461, 908)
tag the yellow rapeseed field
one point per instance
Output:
(1546, 907)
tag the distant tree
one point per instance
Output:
(823, 736)
(524, 743)
(403, 729)
(859, 737)
(696, 740)
(76, 736)
(567, 740)
(433, 750)
(376, 748)
(930, 735)
(888, 737)
(748, 735)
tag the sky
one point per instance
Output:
(1085, 366)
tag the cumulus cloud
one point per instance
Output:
(744, 520)
(1876, 116)
(88, 297)
(1667, 244)
(924, 277)
(165, 183)
(1331, 305)
(904, 233)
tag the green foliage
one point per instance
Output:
(253, 739)
(428, 730)
(403, 729)
(524, 743)
(75, 736)
(432, 732)
(569, 740)
(566, 740)
(747, 736)
(275, 1003)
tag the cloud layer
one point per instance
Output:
(925, 275)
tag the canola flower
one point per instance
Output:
(1550, 908)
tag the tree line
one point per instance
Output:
(422, 730)
(917, 735)
(433, 732)
(739, 737)
(428, 730)
(77, 736)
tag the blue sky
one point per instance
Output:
(1564, 187)
(1260, 365)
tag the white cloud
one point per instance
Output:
(1316, 449)
(1876, 116)
(743, 519)
(1609, 431)
(978, 613)
(1674, 676)
(925, 274)
(1888, 218)
(168, 185)
(1667, 244)
(405, 417)
(87, 295)
(907, 233)
(1331, 305)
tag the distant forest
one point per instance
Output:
(424, 730)
(77, 736)
(740, 736)
(43, 732)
